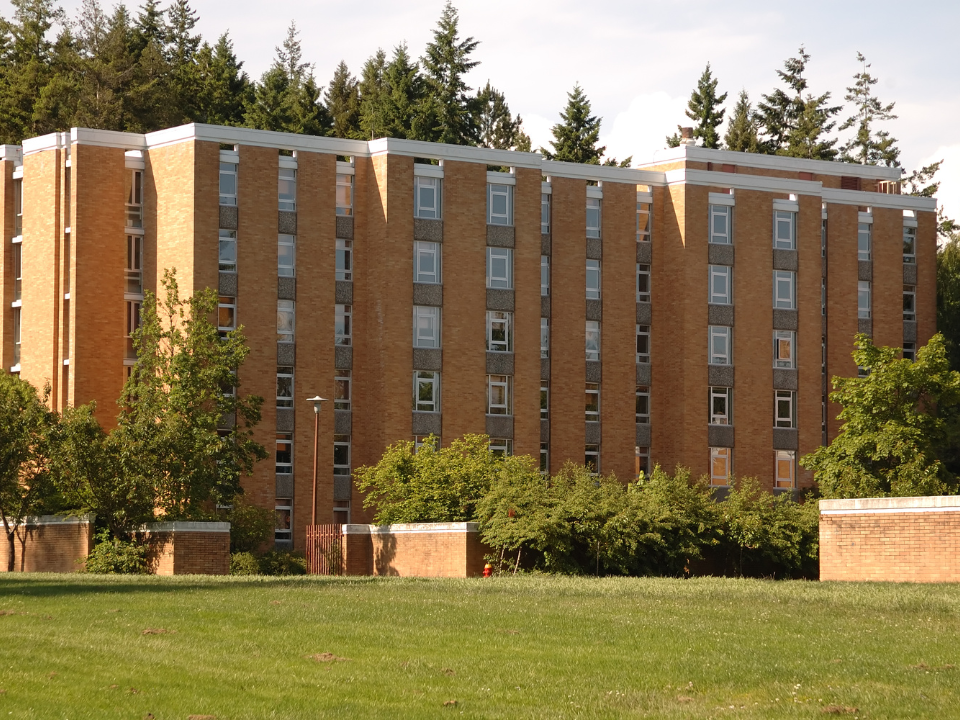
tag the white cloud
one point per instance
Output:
(641, 128)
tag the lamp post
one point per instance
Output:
(317, 402)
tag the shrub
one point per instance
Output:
(116, 557)
(244, 563)
(283, 562)
(250, 525)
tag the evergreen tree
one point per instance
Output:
(149, 26)
(223, 85)
(868, 146)
(704, 109)
(342, 100)
(403, 105)
(741, 133)
(181, 52)
(447, 61)
(373, 94)
(497, 127)
(806, 137)
(576, 136)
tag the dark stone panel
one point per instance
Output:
(720, 435)
(428, 230)
(544, 369)
(594, 371)
(544, 243)
(343, 357)
(823, 267)
(344, 292)
(499, 363)
(227, 421)
(643, 373)
(909, 331)
(865, 326)
(594, 249)
(229, 217)
(644, 313)
(720, 375)
(344, 227)
(785, 319)
(864, 270)
(427, 294)
(592, 432)
(910, 273)
(341, 487)
(784, 379)
(785, 260)
(287, 222)
(426, 423)
(342, 422)
(286, 288)
(644, 252)
(785, 439)
(643, 434)
(545, 431)
(545, 306)
(284, 486)
(501, 236)
(500, 426)
(228, 284)
(286, 353)
(500, 300)
(427, 359)
(823, 325)
(594, 310)
(285, 420)
(720, 315)
(720, 254)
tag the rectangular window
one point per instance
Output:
(864, 242)
(134, 199)
(721, 285)
(784, 230)
(720, 345)
(910, 351)
(643, 283)
(721, 406)
(284, 386)
(344, 259)
(784, 349)
(499, 331)
(544, 338)
(823, 296)
(544, 399)
(133, 323)
(343, 325)
(721, 465)
(544, 457)
(501, 447)
(66, 263)
(341, 389)
(18, 206)
(909, 244)
(592, 403)
(593, 339)
(641, 460)
(345, 195)
(426, 263)
(226, 315)
(910, 303)
(284, 460)
(786, 473)
(591, 458)
(18, 271)
(228, 251)
(593, 218)
(499, 268)
(499, 395)
(426, 326)
(285, 320)
(823, 237)
(785, 409)
(863, 299)
(286, 255)
(643, 222)
(720, 225)
(16, 336)
(426, 391)
(341, 455)
(544, 275)
(420, 440)
(593, 279)
(283, 524)
(287, 190)
(643, 404)
(499, 204)
(228, 183)
(784, 290)
(133, 273)
(544, 213)
(426, 197)
(643, 343)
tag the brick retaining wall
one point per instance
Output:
(188, 548)
(49, 543)
(414, 550)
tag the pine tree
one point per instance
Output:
(868, 147)
(404, 91)
(149, 26)
(497, 127)
(806, 137)
(224, 86)
(181, 52)
(446, 62)
(372, 92)
(741, 133)
(342, 101)
(104, 67)
(704, 109)
(576, 136)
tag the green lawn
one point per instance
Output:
(545, 647)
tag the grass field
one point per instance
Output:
(544, 647)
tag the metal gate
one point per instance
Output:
(325, 549)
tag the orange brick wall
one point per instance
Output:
(526, 259)
(926, 277)
(51, 545)
(809, 335)
(7, 228)
(841, 300)
(188, 553)
(428, 550)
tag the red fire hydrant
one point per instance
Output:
(487, 570)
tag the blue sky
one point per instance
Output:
(638, 61)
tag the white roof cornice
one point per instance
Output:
(599, 173)
(882, 200)
(461, 153)
(744, 182)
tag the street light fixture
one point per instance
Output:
(317, 402)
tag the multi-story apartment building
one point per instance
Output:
(689, 311)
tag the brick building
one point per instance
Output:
(690, 310)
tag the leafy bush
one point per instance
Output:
(250, 525)
(244, 563)
(116, 557)
(283, 562)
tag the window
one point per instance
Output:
(501, 447)
(284, 461)
(909, 244)
(285, 320)
(16, 336)
(784, 344)
(641, 460)
(592, 405)
(910, 303)
(544, 457)
(544, 338)
(823, 237)
(341, 455)
(721, 406)
(591, 458)
(341, 389)
(544, 213)
(643, 283)
(134, 199)
(721, 286)
(643, 404)
(593, 279)
(785, 409)
(284, 386)
(228, 251)
(18, 206)
(226, 315)
(286, 255)
(426, 263)
(720, 221)
(287, 189)
(499, 204)
(823, 296)
(643, 343)
(593, 340)
(133, 323)
(341, 512)
(343, 325)
(720, 345)
(344, 194)
(544, 275)
(499, 268)
(283, 525)
(18, 271)
(863, 299)
(228, 183)
(544, 399)
(426, 326)
(499, 395)
(431, 441)
(785, 474)
(133, 273)
(784, 230)
(593, 218)
(499, 331)
(721, 464)
(910, 351)
(643, 222)
(344, 259)
(864, 241)
(426, 197)
(784, 290)
(426, 391)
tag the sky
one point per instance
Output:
(639, 60)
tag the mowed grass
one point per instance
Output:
(524, 647)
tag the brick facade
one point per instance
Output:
(188, 548)
(414, 550)
(49, 544)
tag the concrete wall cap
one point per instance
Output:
(936, 503)
(456, 527)
(186, 526)
(58, 519)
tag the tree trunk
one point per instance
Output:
(12, 548)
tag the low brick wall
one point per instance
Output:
(414, 550)
(913, 539)
(188, 548)
(50, 543)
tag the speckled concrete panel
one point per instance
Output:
(428, 230)
(229, 217)
(864, 270)
(228, 284)
(643, 373)
(285, 420)
(594, 249)
(227, 421)
(287, 222)
(720, 315)
(545, 431)
(286, 288)
(284, 486)
(427, 294)
(865, 326)
(591, 432)
(785, 439)
(785, 260)
(343, 357)
(909, 331)
(643, 434)
(501, 236)
(595, 310)
(784, 379)
(499, 363)
(342, 422)
(544, 243)
(344, 227)
(720, 435)
(644, 313)
(594, 372)
(426, 423)
(720, 254)
(286, 353)
(910, 273)
(545, 306)
(500, 300)
(784, 319)
(644, 252)
(427, 359)
(344, 292)
(544, 368)
(500, 426)
(720, 375)
(341, 487)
